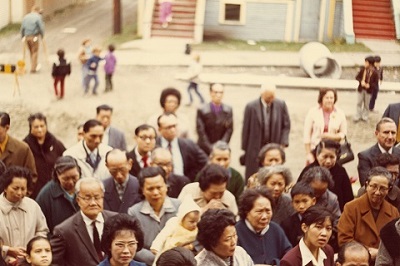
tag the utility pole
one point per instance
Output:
(117, 16)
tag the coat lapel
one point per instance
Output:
(366, 215)
(83, 234)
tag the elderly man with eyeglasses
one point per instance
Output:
(76, 241)
(364, 217)
(121, 189)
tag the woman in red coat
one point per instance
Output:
(313, 248)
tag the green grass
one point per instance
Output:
(128, 34)
(240, 45)
(10, 29)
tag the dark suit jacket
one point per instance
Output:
(194, 158)
(111, 198)
(367, 160)
(116, 139)
(71, 244)
(212, 127)
(373, 80)
(252, 132)
(18, 153)
(293, 257)
(135, 170)
(175, 184)
(393, 112)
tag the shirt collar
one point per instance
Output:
(263, 232)
(4, 144)
(140, 157)
(123, 184)
(390, 151)
(88, 221)
(88, 150)
(164, 142)
(308, 257)
(167, 207)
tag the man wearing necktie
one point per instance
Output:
(385, 133)
(214, 120)
(266, 120)
(76, 241)
(122, 189)
(90, 153)
(368, 79)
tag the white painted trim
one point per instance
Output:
(272, 1)
(289, 21)
(348, 21)
(199, 21)
(322, 17)
(297, 21)
(148, 18)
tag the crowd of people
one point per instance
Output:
(172, 201)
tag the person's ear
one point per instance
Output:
(338, 264)
(304, 228)
(130, 163)
(313, 201)
(28, 259)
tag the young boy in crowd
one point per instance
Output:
(60, 69)
(302, 198)
(109, 67)
(374, 94)
(93, 64)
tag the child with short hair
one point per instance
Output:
(180, 231)
(109, 67)
(303, 197)
(60, 70)
(93, 64)
(374, 94)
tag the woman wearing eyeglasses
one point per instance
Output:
(363, 218)
(122, 237)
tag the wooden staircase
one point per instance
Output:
(183, 20)
(373, 19)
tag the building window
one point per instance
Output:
(232, 12)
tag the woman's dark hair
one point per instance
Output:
(212, 225)
(327, 144)
(169, 91)
(115, 225)
(249, 196)
(178, 256)
(38, 116)
(301, 188)
(212, 174)
(62, 164)
(324, 91)
(316, 214)
(15, 171)
(149, 172)
(318, 173)
(269, 147)
(111, 48)
(29, 246)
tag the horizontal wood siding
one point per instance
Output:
(264, 21)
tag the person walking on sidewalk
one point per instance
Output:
(32, 28)
(61, 69)
(193, 73)
(109, 67)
